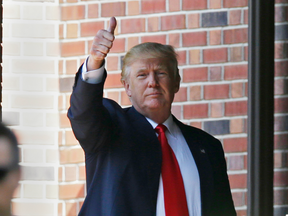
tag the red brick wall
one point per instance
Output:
(211, 38)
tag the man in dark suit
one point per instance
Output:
(141, 160)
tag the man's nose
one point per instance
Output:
(153, 81)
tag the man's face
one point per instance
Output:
(151, 86)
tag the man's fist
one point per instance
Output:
(102, 43)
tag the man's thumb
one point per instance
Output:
(112, 25)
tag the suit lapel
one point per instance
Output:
(150, 149)
(203, 164)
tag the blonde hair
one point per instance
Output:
(150, 50)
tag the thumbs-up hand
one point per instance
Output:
(102, 43)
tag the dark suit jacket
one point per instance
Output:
(123, 158)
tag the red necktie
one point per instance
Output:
(173, 186)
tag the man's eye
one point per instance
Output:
(141, 75)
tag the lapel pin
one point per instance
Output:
(202, 151)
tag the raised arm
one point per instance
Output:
(90, 120)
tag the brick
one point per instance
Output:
(216, 110)
(71, 66)
(11, 11)
(281, 1)
(219, 127)
(93, 10)
(65, 84)
(215, 4)
(40, 138)
(215, 73)
(33, 155)
(132, 25)
(281, 13)
(238, 181)
(235, 17)
(74, 155)
(72, 48)
(220, 91)
(52, 12)
(133, 8)
(151, 6)
(52, 49)
(33, 30)
(238, 144)
(82, 172)
(174, 5)
(112, 63)
(153, 24)
(278, 160)
(216, 55)
(194, 39)
(37, 173)
(236, 126)
(132, 41)
(280, 86)
(70, 173)
(194, 5)
(113, 81)
(32, 101)
(236, 54)
(214, 19)
(233, 72)
(72, 30)
(174, 40)
(75, 12)
(181, 95)
(280, 197)
(281, 123)
(11, 82)
(238, 199)
(34, 191)
(91, 28)
(113, 9)
(11, 118)
(52, 155)
(193, 21)
(33, 208)
(52, 120)
(236, 162)
(281, 50)
(173, 22)
(71, 191)
(176, 111)
(281, 32)
(32, 83)
(155, 38)
(281, 105)
(194, 56)
(233, 36)
(195, 93)
(234, 108)
(11, 48)
(114, 96)
(237, 90)
(70, 138)
(246, 14)
(195, 111)
(32, 12)
(71, 208)
(196, 124)
(118, 45)
(280, 178)
(32, 119)
(215, 37)
(195, 74)
(125, 99)
(235, 3)
(61, 31)
(52, 191)
(64, 121)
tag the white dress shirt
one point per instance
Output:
(180, 148)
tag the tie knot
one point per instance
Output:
(160, 128)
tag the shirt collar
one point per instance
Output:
(169, 123)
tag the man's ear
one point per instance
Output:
(177, 83)
(127, 87)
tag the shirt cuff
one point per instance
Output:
(93, 76)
